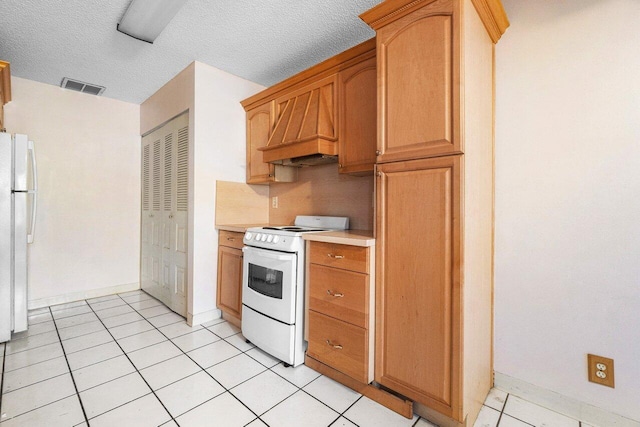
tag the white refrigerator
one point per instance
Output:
(18, 202)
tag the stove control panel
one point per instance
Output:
(273, 241)
(261, 237)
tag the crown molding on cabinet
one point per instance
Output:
(493, 17)
(491, 13)
(324, 69)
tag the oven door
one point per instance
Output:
(269, 283)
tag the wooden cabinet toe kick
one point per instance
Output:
(403, 407)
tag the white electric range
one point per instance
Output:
(273, 285)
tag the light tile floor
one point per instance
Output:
(126, 360)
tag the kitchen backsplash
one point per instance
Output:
(320, 190)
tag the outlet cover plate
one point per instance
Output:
(592, 361)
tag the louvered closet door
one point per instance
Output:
(151, 252)
(166, 279)
(165, 196)
(180, 216)
(146, 225)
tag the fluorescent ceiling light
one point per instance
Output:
(145, 19)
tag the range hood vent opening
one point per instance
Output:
(83, 87)
(311, 160)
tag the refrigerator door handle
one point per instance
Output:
(34, 168)
(34, 208)
(33, 192)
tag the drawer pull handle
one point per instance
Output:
(334, 294)
(335, 256)
(231, 239)
(336, 346)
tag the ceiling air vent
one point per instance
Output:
(83, 87)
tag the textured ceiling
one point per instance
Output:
(264, 41)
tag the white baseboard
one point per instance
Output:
(562, 404)
(78, 296)
(204, 317)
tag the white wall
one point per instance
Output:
(567, 272)
(219, 154)
(88, 151)
(217, 138)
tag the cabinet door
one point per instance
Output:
(357, 112)
(259, 126)
(418, 340)
(418, 99)
(230, 280)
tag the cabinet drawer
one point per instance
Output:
(339, 293)
(230, 239)
(339, 345)
(354, 258)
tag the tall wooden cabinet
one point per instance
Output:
(434, 222)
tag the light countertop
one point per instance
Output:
(238, 228)
(347, 237)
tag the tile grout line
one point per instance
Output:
(222, 361)
(4, 358)
(73, 380)
(59, 341)
(136, 370)
(153, 326)
(504, 405)
(515, 418)
(33, 348)
(183, 353)
(340, 414)
(37, 382)
(197, 364)
(349, 407)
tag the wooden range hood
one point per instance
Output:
(305, 132)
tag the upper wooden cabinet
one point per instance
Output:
(259, 125)
(420, 61)
(418, 100)
(357, 117)
(5, 90)
(321, 115)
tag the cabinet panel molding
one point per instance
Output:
(418, 280)
(357, 94)
(418, 94)
(229, 292)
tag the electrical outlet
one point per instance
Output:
(600, 370)
(274, 202)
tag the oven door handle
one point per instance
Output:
(269, 255)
